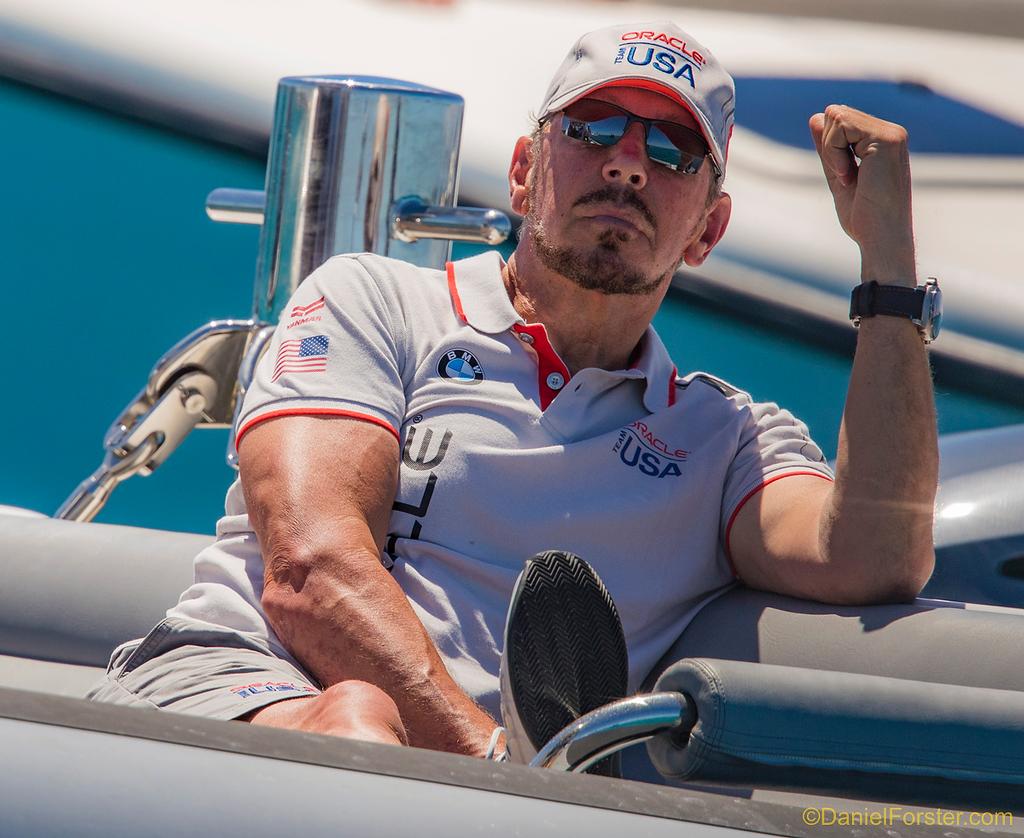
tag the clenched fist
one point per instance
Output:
(867, 166)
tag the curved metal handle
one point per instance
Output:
(615, 726)
(414, 220)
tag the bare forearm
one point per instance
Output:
(879, 519)
(351, 620)
(319, 495)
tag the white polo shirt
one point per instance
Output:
(504, 454)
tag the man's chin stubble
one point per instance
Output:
(600, 268)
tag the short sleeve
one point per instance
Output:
(772, 443)
(336, 351)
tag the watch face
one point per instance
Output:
(935, 320)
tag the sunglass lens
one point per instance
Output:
(661, 149)
(608, 131)
(675, 146)
(602, 123)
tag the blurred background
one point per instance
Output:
(119, 118)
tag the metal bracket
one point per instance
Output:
(193, 384)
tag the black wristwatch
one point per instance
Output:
(923, 305)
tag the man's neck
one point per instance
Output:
(586, 328)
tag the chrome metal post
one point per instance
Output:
(343, 150)
(356, 164)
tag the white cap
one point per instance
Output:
(653, 56)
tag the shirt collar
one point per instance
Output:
(656, 366)
(480, 299)
(479, 294)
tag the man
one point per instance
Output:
(408, 444)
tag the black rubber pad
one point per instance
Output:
(566, 654)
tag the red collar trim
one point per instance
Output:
(548, 362)
(454, 291)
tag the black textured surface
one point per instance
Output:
(566, 653)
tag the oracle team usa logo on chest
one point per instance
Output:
(639, 447)
(460, 365)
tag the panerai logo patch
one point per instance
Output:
(641, 448)
(460, 365)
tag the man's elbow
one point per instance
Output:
(899, 580)
(286, 584)
(284, 580)
(909, 583)
(310, 581)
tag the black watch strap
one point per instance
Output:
(870, 298)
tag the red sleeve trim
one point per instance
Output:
(454, 291)
(310, 411)
(748, 496)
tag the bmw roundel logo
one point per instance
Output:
(460, 365)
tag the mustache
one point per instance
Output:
(618, 197)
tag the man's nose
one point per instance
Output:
(627, 161)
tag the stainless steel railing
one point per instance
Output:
(615, 726)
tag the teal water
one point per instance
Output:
(108, 259)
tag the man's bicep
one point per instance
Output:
(310, 479)
(774, 539)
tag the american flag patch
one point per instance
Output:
(301, 355)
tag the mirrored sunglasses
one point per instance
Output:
(669, 144)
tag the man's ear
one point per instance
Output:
(714, 228)
(518, 172)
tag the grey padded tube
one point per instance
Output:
(72, 592)
(926, 640)
(785, 727)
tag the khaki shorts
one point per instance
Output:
(201, 670)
